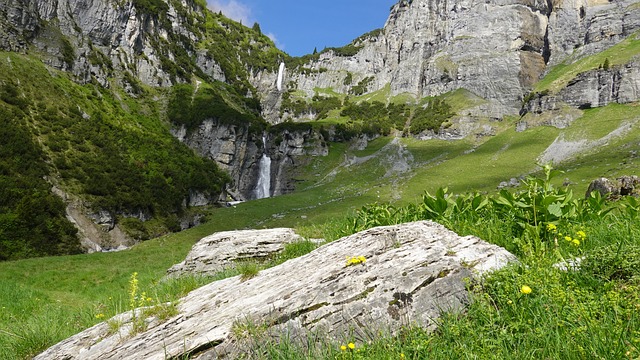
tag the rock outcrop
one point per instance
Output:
(622, 186)
(238, 152)
(92, 38)
(223, 250)
(593, 88)
(412, 273)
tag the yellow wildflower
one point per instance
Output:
(575, 242)
(551, 227)
(568, 238)
(100, 316)
(525, 289)
(581, 234)
(352, 346)
(355, 260)
(343, 348)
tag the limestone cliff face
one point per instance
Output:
(238, 152)
(497, 49)
(96, 39)
(585, 27)
(594, 88)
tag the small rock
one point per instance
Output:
(222, 250)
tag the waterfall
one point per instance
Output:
(280, 76)
(263, 188)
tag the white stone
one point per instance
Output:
(412, 273)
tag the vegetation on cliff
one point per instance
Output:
(114, 151)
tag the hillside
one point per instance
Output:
(168, 76)
(130, 121)
(100, 125)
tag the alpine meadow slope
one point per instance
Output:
(137, 122)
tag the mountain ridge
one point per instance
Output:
(164, 68)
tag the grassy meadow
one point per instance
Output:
(583, 314)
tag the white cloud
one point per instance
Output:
(233, 9)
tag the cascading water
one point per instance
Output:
(263, 188)
(280, 76)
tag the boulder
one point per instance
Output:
(411, 273)
(629, 185)
(622, 186)
(223, 250)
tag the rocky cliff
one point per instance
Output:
(495, 49)
(593, 88)
(237, 151)
(97, 39)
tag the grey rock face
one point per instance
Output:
(238, 153)
(222, 250)
(232, 147)
(594, 88)
(622, 186)
(412, 273)
(116, 32)
(295, 149)
(429, 47)
(585, 27)
(496, 49)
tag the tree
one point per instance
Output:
(606, 64)
(256, 28)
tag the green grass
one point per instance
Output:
(381, 95)
(599, 122)
(329, 191)
(577, 314)
(563, 73)
(462, 99)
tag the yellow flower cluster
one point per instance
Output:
(580, 237)
(351, 346)
(355, 260)
(576, 240)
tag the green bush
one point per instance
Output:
(190, 108)
(430, 117)
(362, 86)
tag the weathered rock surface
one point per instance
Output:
(594, 88)
(496, 49)
(413, 272)
(222, 250)
(117, 33)
(622, 186)
(238, 152)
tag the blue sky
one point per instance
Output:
(299, 26)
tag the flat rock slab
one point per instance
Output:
(412, 273)
(223, 250)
